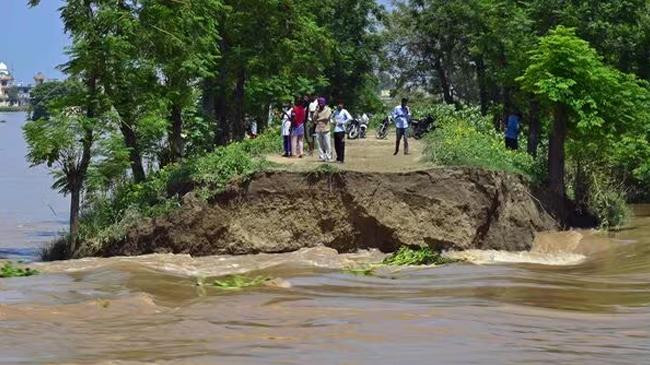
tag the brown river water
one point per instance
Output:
(577, 298)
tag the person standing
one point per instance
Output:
(310, 131)
(286, 130)
(402, 117)
(512, 131)
(341, 119)
(322, 117)
(298, 114)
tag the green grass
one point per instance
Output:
(11, 270)
(108, 217)
(416, 256)
(238, 282)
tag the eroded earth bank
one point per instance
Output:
(281, 211)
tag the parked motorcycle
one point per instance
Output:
(422, 126)
(382, 129)
(357, 127)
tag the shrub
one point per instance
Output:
(107, 217)
(465, 138)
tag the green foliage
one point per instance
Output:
(239, 282)
(108, 217)
(11, 270)
(465, 138)
(415, 256)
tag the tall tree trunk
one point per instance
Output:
(444, 81)
(75, 206)
(534, 127)
(239, 123)
(176, 143)
(131, 142)
(556, 159)
(581, 185)
(483, 94)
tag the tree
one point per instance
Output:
(63, 138)
(588, 100)
(181, 40)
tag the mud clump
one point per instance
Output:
(445, 208)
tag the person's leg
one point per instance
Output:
(399, 132)
(294, 145)
(338, 145)
(343, 147)
(327, 142)
(319, 145)
(406, 141)
(300, 146)
(287, 145)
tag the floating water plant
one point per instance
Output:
(364, 270)
(10, 270)
(414, 256)
(237, 282)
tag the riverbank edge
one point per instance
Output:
(276, 211)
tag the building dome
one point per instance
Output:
(4, 70)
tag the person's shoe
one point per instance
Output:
(300, 156)
(395, 154)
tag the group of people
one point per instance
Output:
(310, 120)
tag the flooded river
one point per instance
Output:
(578, 298)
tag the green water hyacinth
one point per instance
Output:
(238, 282)
(11, 270)
(416, 256)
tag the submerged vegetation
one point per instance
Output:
(416, 256)
(405, 256)
(238, 282)
(11, 270)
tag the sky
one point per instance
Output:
(32, 39)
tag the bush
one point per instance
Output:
(109, 216)
(465, 138)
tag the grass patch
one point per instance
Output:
(238, 282)
(108, 216)
(466, 138)
(416, 256)
(11, 270)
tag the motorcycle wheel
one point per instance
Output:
(353, 133)
(382, 131)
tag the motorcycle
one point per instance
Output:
(357, 127)
(422, 126)
(382, 129)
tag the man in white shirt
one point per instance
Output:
(341, 119)
(310, 126)
(402, 117)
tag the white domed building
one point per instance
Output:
(6, 81)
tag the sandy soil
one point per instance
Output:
(365, 155)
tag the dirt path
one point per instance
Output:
(367, 155)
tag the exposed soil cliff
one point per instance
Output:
(444, 208)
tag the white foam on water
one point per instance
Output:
(487, 257)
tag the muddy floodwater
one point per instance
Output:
(577, 298)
